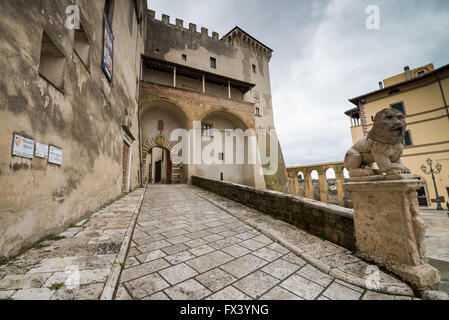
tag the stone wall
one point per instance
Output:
(331, 222)
(84, 117)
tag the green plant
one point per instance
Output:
(4, 261)
(56, 286)
(122, 265)
(85, 222)
(55, 238)
(40, 245)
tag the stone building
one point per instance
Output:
(422, 95)
(87, 111)
(195, 80)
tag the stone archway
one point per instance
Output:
(175, 161)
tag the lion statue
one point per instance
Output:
(383, 145)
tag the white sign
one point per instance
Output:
(22, 147)
(41, 150)
(55, 156)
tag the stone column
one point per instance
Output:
(389, 230)
(294, 184)
(340, 187)
(308, 185)
(324, 187)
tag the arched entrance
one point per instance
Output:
(159, 119)
(158, 165)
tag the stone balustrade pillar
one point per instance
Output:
(308, 185)
(340, 188)
(324, 187)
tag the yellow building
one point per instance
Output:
(422, 94)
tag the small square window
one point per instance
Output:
(82, 45)
(254, 68)
(222, 176)
(52, 63)
(398, 106)
(257, 111)
(213, 63)
(184, 57)
(408, 139)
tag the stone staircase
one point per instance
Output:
(176, 170)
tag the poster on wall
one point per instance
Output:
(41, 150)
(108, 51)
(22, 147)
(55, 155)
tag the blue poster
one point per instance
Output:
(108, 53)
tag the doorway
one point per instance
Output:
(158, 172)
(159, 166)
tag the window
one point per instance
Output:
(207, 130)
(213, 63)
(257, 111)
(408, 139)
(52, 63)
(221, 156)
(82, 45)
(398, 106)
(254, 68)
(184, 57)
(109, 10)
(222, 176)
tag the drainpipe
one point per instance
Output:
(140, 125)
(444, 98)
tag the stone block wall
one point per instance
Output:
(334, 223)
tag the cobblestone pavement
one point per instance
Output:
(185, 247)
(437, 243)
(85, 253)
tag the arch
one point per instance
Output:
(301, 179)
(316, 188)
(173, 117)
(151, 102)
(332, 189)
(167, 146)
(229, 114)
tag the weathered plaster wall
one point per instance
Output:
(39, 199)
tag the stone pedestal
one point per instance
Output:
(389, 230)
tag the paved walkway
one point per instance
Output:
(77, 264)
(187, 245)
(437, 243)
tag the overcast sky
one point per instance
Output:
(324, 55)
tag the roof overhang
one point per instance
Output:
(396, 87)
(182, 70)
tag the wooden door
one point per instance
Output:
(158, 173)
(125, 167)
(169, 169)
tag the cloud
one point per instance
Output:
(324, 55)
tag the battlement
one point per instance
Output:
(179, 23)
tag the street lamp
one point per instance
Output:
(433, 172)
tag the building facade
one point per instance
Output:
(196, 81)
(422, 95)
(91, 92)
